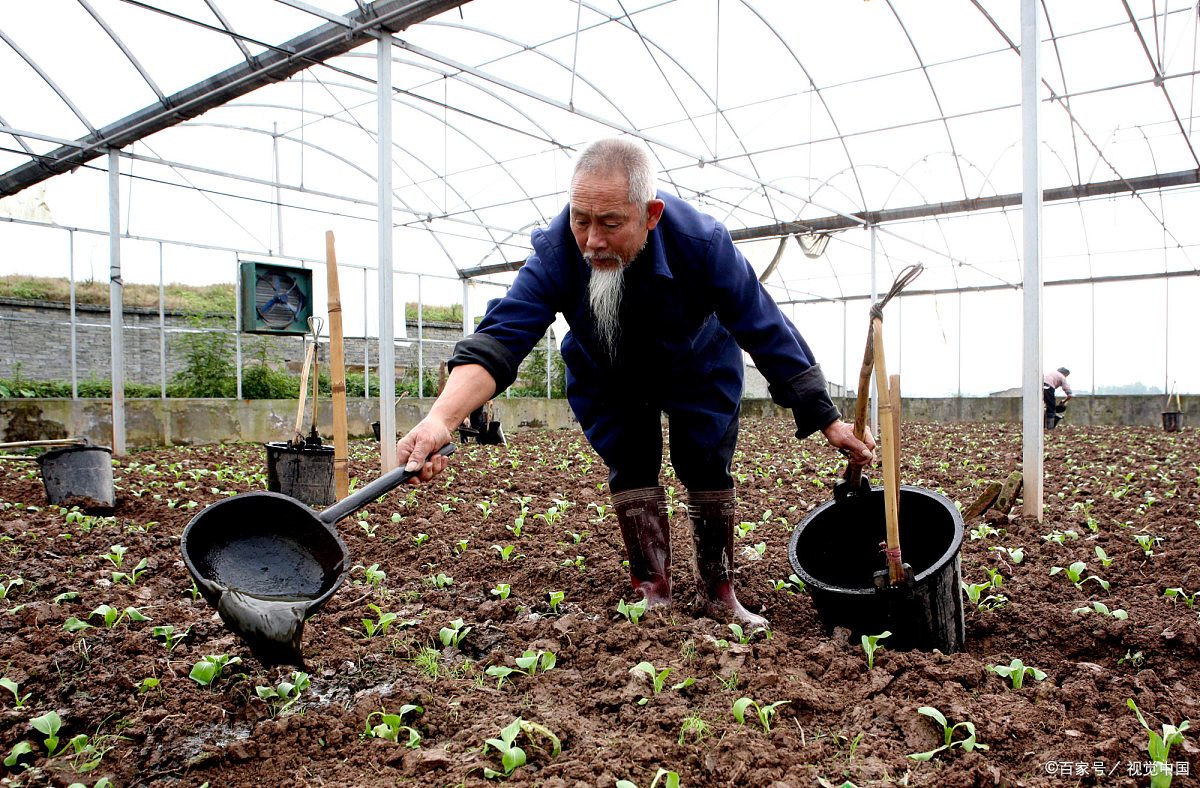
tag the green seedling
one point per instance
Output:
(744, 637)
(19, 749)
(285, 694)
(194, 591)
(983, 531)
(1060, 537)
(1016, 671)
(460, 546)
(115, 555)
(556, 599)
(440, 581)
(453, 634)
(391, 726)
(528, 664)
(380, 624)
(147, 684)
(1135, 658)
(369, 528)
(421, 539)
(132, 576)
(501, 590)
(1014, 554)
(74, 625)
(113, 616)
(1160, 745)
(1177, 595)
(579, 562)
(669, 779)
(695, 726)
(969, 744)
(485, 506)
(167, 633)
(1102, 609)
(1147, 542)
(512, 756)
(765, 713)
(11, 686)
(1074, 573)
(741, 530)
(870, 645)
(209, 668)
(8, 584)
(1102, 556)
(48, 725)
(64, 597)
(428, 662)
(658, 679)
(793, 585)
(602, 511)
(507, 552)
(633, 612)
(374, 576)
(576, 538)
(551, 517)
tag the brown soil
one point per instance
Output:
(841, 721)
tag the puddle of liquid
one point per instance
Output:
(271, 626)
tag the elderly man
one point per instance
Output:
(661, 304)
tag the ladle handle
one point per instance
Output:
(385, 483)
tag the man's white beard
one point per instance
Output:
(604, 296)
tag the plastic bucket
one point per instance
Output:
(1172, 420)
(1051, 420)
(836, 552)
(304, 473)
(79, 476)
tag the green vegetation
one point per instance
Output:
(1016, 671)
(969, 744)
(1159, 746)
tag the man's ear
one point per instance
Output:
(654, 212)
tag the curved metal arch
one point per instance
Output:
(326, 151)
(1062, 75)
(933, 91)
(503, 241)
(862, 198)
(133, 61)
(19, 138)
(50, 82)
(477, 145)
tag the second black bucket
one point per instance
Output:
(1172, 420)
(79, 476)
(836, 551)
(304, 473)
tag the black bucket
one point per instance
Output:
(304, 473)
(375, 429)
(836, 551)
(79, 476)
(1051, 419)
(1172, 420)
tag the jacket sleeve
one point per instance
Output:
(512, 326)
(762, 330)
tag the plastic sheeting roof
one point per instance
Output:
(774, 116)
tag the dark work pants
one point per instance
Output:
(1048, 398)
(634, 458)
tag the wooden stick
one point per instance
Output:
(891, 476)
(32, 444)
(21, 457)
(854, 471)
(308, 358)
(337, 375)
(894, 391)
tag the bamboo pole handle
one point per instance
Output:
(854, 471)
(891, 480)
(337, 374)
(32, 444)
(894, 391)
(308, 357)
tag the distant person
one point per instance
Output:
(1052, 381)
(661, 304)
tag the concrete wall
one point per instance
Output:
(197, 421)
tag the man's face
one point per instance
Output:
(608, 228)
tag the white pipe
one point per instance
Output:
(1031, 301)
(116, 307)
(387, 345)
(74, 349)
(870, 328)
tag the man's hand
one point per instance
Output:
(419, 444)
(840, 435)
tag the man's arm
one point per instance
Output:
(468, 387)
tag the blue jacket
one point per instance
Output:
(690, 300)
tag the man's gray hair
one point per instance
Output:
(623, 155)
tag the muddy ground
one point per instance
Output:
(131, 714)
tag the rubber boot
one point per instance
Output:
(646, 530)
(712, 513)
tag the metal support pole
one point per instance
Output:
(74, 349)
(116, 307)
(237, 328)
(162, 328)
(278, 197)
(466, 307)
(549, 344)
(366, 344)
(387, 344)
(1031, 219)
(420, 340)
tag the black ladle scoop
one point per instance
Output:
(267, 562)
